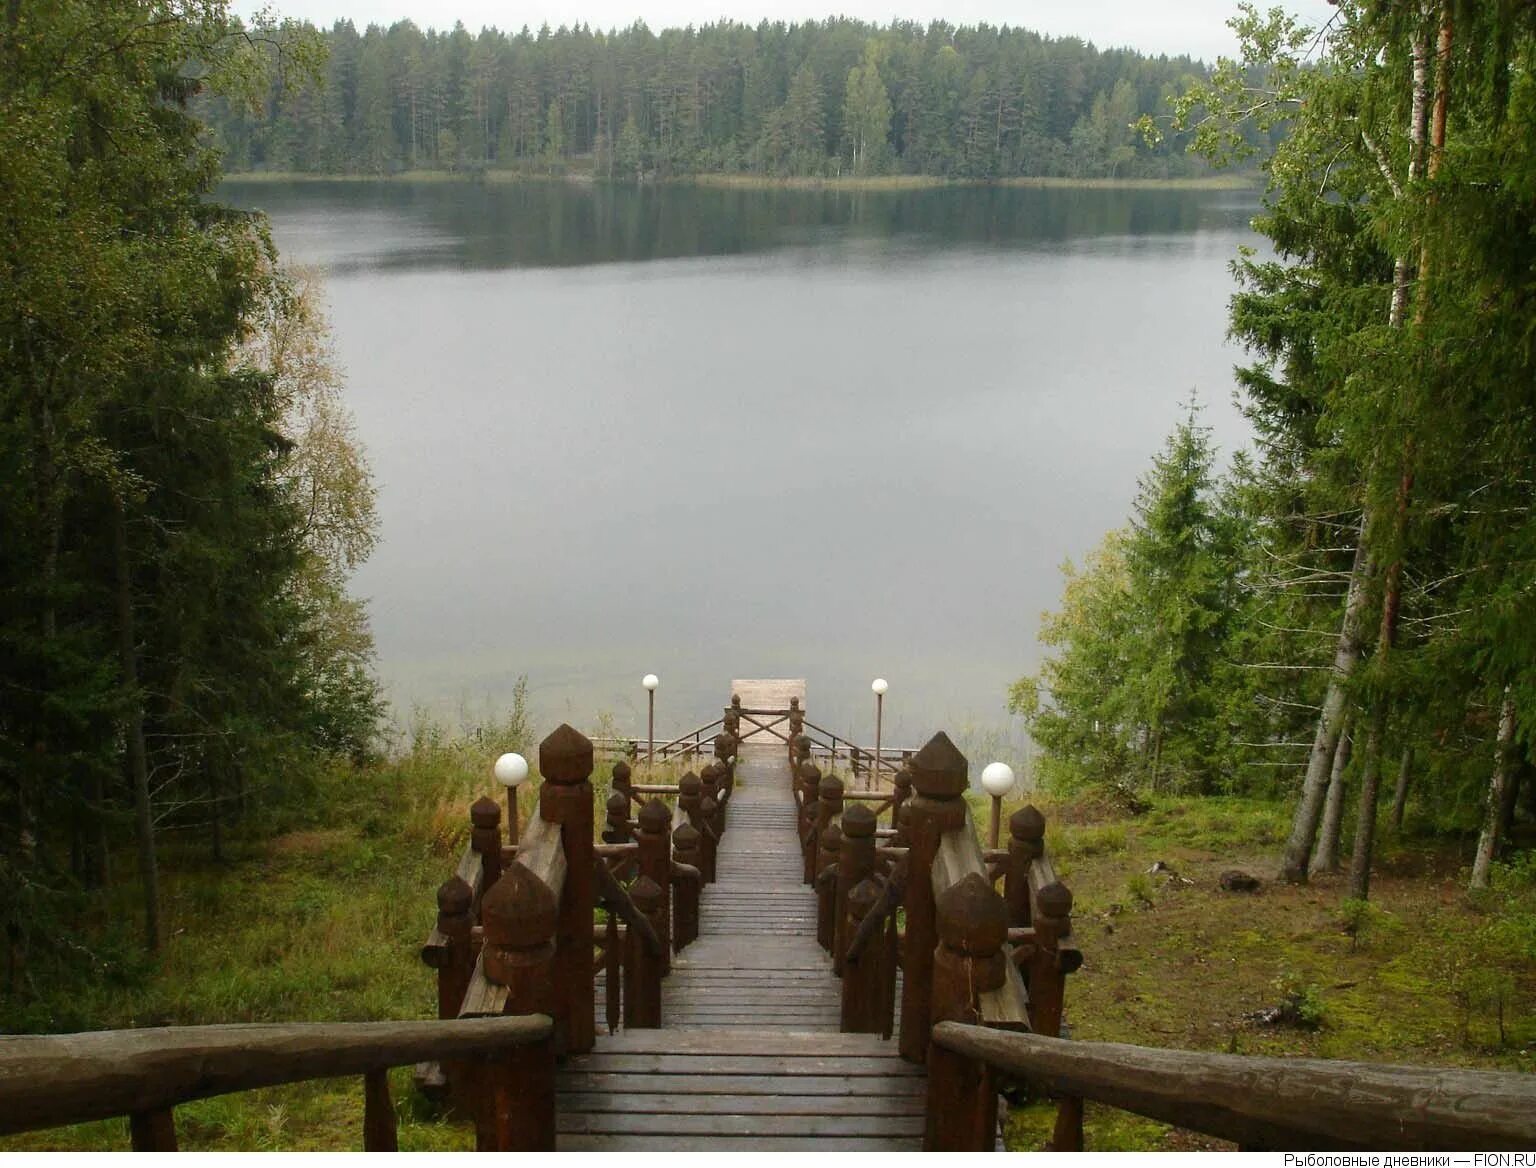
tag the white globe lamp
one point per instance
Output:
(511, 772)
(997, 781)
(650, 681)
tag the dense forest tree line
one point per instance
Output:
(180, 494)
(1348, 618)
(820, 98)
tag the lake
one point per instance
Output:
(727, 433)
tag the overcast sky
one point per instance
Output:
(1197, 27)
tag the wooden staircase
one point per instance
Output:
(750, 1057)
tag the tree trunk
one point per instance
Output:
(1327, 856)
(1298, 848)
(1400, 796)
(1493, 814)
(138, 762)
(1365, 821)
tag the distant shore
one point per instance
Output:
(883, 182)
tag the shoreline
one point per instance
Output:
(755, 182)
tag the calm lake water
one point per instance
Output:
(716, 434)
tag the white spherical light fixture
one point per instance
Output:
(511, 770)
(880, 685)
(997, 779)
(650, 681)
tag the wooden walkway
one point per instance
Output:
(751, 1058)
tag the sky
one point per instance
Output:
(1197, 27)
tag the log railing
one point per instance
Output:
(1269, 1104)
(515, 932)
(49, 1080)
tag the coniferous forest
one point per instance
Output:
(838, 97)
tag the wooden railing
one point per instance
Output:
(515, 931)
(1268, 1104)
(49, 1080)
(967, 953)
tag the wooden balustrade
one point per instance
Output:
(49, 1080)
(1270, 1104)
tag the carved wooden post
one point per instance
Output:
(865, 1004)
(709, 843)
(642, 980)
(1047, 978)
(902, 784)
(855, 863)
(939, 773)
(710, 779)
(726, 746)
(685, 902)
(969, 961)
(455, 964)
(485, 838)
(153, 1131)
(521, 916)
(1026, 844)
(800, 751)
(565, 761)
(379, 1134)
(656, 863)
(808, 790)
(828, 845)
(622, 780)
(458, 961)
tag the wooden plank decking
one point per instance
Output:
(750, 1058)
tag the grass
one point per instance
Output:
(1171, 960)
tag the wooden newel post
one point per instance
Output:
(726, 746)
(828, 845)
(902, 784)
(485, 838)
(865, 1005)
(623, 780)
(656, 865)
(1026, 844)
(685, 904)
(565, 761)
(458, 959)
(855, 863)
(939, 776)
(642, 978)
(1047, 972)
(968, 961)
(808, 791)
(800, 751)
(521, 917)
(690, 797)
(711, 780)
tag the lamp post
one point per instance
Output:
(997, 781)
(651, 681)
(879, 686)
(511, 773)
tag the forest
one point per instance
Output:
(836, 97)
(1346, 619)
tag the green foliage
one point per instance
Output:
(1131, 695)
(180, 496)
(813, 99)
